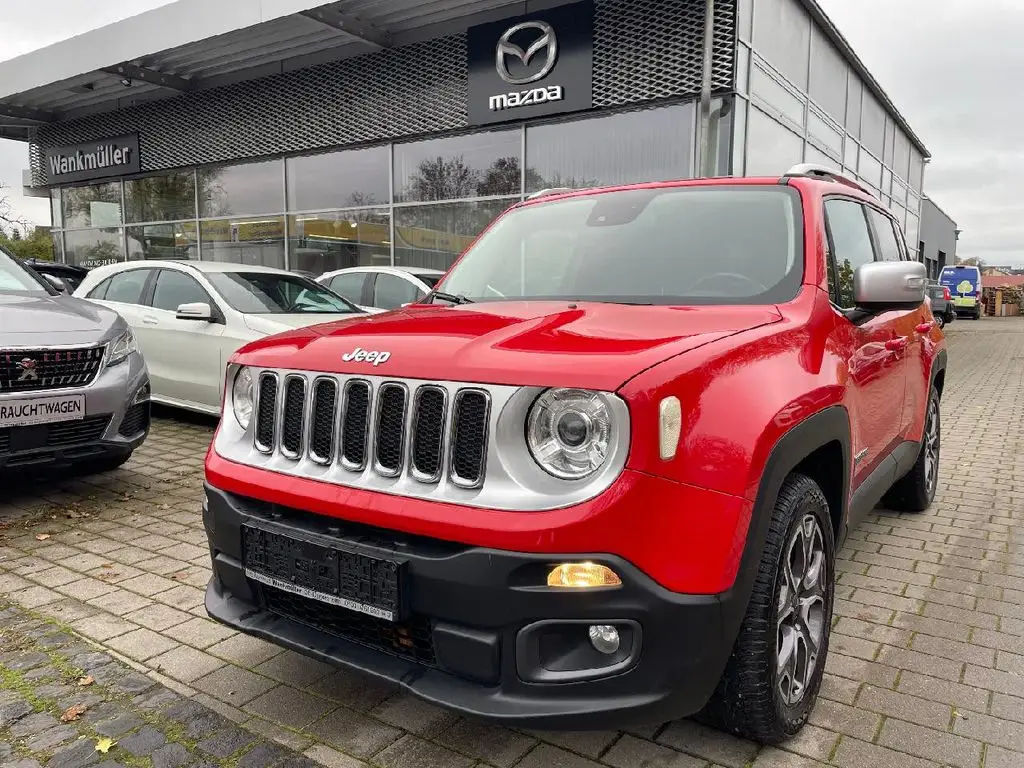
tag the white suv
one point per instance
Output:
(382, 288)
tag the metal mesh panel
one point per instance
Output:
(643, 50)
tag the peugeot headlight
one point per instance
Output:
(242, 397)
(122, 348)
(569, 432)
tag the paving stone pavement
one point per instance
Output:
(926, 668)
(65, 705)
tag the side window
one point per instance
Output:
(174, 288)
(390, 291)
(126, 287)
(350, 286)
(100, 291)
(851, 247)
(888, 241)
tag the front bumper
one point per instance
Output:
(116, 422)
(484, 635)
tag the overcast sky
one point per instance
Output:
(949, 65)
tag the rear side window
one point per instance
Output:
(850, 247)
(126, 287)
(888, 242)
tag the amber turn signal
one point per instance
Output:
(583, 576)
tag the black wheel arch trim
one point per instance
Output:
(938, 366)
(829, 425)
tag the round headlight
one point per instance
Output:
(569, 432)
(242, 397)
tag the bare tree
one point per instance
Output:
(9, 221)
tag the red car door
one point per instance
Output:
(874, 346)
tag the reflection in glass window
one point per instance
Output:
(241, 190)
(651, 145)
(167, 197)
(323, 242)
(478, 165)
(888, 245)
(782, 35)
(722, 245)
(851, 246)
(96, 205)
(349, 285)
(163, 241)
(244, 241)
(392, 291)
(56, 215)
(58, 246)
(174, 288)
(828, 76)
(349, 179)
(772, 149)
(94, 247)
(269, 293)
(433, 236)
(126, 287)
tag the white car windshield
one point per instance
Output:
(265, 293)
(724, 244)
(14, 278)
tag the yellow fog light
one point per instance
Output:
(583, 576)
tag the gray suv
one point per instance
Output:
(74, 389)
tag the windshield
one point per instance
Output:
(266, 293)
(15, 278)
(683, 245)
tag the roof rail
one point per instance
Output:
(551, 191)
(815, 171)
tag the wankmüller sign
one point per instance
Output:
(93, 160)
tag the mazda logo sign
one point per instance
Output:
(547, 41)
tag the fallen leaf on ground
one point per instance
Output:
(104, 745)
(84, 681)
(73, 713)
(180, 575)
(107, 565)
(42, 536)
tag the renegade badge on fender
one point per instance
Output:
(602, 477)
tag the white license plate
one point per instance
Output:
(41, 410)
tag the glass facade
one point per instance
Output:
(799, 101)
(408, 204)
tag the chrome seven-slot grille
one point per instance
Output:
(389, 427)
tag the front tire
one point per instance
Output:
(773, 676)
(915, 492)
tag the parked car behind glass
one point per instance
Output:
(382, 288)
(191, 316)
(73, 388)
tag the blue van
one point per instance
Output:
(964, 283)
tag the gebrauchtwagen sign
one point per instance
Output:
(93, 160)
(530, 66)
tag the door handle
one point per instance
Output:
(149, 320)
(897, 344)
(925, 327)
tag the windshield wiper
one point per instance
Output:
(454, 298)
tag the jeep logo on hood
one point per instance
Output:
(360, 355)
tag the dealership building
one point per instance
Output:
(376, 132)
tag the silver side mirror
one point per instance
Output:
(199, 311)
(890, 285)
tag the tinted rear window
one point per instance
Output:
(683, 245)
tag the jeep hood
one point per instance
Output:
(592, 345)
(268, 324)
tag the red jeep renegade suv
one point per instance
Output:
(600, 474)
